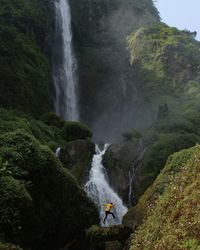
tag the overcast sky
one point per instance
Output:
(183, 14)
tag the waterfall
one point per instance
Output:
(136, 163)
(64, 64)
(57, 153)
(99, 190)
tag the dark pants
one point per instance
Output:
(106, 214)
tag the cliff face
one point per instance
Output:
(167, 62)
(106, 79)
(24, 72)
(167, 65)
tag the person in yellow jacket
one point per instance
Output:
(108, 207)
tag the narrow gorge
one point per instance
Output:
(99, 103)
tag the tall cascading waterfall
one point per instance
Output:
(99, 190)
(64, 65)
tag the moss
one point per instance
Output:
(75, 130)
(100, 236)
(15, 206)
(170, 208)
(165, 58)
(60, 210)
(52, 119)
(77, 157)
(24, 69)
(7, 246)
(11, 120)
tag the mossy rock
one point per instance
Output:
(15, 208)
(169, 208)
(118, 161)
(77, 157)
(11, 120)
(100, 236)
(75, 130)
(113, 245)
(52, 119)
(59, 210)
(7, 246)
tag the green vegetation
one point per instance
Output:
(100, 29)
(48, 135)
(81, 153)
(75, 130)
(167, 65)
(166, 59)
(24, 71)
(169, 208)
(52, 119)
(100, 237)
(42, 206)
(8, 247)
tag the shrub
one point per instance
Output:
(41, 204)
(52, 119)
(75, 130)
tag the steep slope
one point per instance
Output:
(24, 72)
(168, 68)
(170, 208)
(106, 78)
(167, 64)
(41, 204)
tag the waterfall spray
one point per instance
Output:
(65, 65)
(99, 190)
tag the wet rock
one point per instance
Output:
(77, 157)
(113, 245)
(101, 238)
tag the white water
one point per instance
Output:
(99, 190)
(57, 153)
(65, 79)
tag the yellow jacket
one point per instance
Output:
(108, 207)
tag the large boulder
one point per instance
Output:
(106, 238)
(75, 130)
(77, 157)
(50, 209)
(119, 162)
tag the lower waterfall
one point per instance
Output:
(99, 190)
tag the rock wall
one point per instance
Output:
(106, 78)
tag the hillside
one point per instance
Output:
(169, 208)
(167, 64)
(25, 71)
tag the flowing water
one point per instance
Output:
(99, 190)
(136, 163)
(57, 152)
(65, 64)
